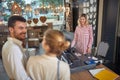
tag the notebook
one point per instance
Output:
(103, 74)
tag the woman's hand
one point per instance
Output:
(89, 50)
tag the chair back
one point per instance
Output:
(102, 49)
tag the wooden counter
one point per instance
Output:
(85, 75)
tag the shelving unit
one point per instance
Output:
(35, 35)
(3, 36)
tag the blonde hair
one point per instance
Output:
(85, 16)
(56, 41)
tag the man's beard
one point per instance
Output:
(19, 37)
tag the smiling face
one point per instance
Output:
(82, 21)
(19, 30)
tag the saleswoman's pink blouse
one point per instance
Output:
(83, 38)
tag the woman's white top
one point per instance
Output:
(45, 68)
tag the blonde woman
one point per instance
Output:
(47, 66)
(83, 36)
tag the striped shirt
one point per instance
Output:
(83, 39)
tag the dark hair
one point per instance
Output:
(13, 19)
(56, 41)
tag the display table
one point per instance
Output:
(85, 75)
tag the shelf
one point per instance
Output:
(35, 35)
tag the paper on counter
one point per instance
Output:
(95, 71)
